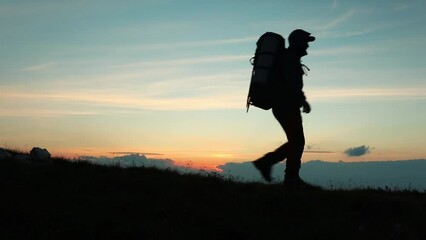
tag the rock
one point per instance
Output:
(39, 153)
(40, 156)
(4, 154)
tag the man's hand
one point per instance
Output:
(306, 108)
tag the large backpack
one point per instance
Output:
(270, 47)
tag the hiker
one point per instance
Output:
(289, 98)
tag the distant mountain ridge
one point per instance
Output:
(403, 174)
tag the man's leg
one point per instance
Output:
(296, 144)
(265, 163)
(291, 122)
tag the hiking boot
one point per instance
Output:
(264, 165)
(298, 184)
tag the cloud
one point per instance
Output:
(139, 153)
(337, 21)
(367, 93)
(204, 91)
(168, 95)
(13, 111)
(39, 67)
(166, 46)
(357, 151)
(397, 7)
(188, 61)
(189, 44)
(334, 4)
(315, 151)
(346, 50)
(131, 160)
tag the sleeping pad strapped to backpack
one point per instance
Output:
(265, 63)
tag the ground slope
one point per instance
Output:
(78, 200)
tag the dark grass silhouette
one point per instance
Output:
(79, 200)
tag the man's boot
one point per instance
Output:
(292, 181)
(264, 165)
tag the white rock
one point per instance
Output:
(40, 153)
(40, 156)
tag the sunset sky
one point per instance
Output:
(169, 79)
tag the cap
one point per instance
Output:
(299, 35)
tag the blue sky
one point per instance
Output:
(171, 77)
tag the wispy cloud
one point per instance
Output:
(130, 101)
(187, 61)
(12, 111)
(188, 44)
(345, 51)
(334, 4)
(136, 153)
(90, 101)
(336, 21)
(39, 67)
(308, 151)
(313, 149)
(201, 84)
(367, 93)
(402, 6)
(364, 19)
(166, 46)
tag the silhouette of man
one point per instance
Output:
(289, 98)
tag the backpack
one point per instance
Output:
(269, 47)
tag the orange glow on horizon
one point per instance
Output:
(205, 161)
(201, 162)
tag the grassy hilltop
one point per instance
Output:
(79, 200)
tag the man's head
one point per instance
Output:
(299, 39)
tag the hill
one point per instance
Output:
(81, 200)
